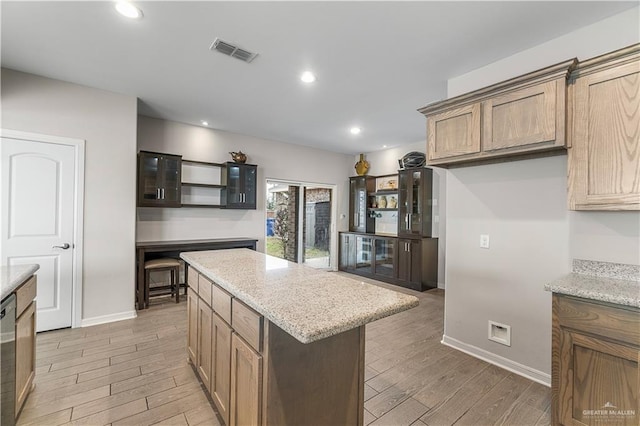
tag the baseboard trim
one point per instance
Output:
(507, 364)
(103, 319)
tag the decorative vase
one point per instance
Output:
(362, 166)
(393, 203)
(382, 202)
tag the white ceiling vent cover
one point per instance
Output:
(231, 50)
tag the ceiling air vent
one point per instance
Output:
(233, 51)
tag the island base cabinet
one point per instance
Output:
(246, 384)
(595, 374)
(203, 355)
(192, 320)
(25, 354)
(221, 366)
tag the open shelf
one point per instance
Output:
(203, 185)
(383, 209)
(204, 163)
(383, 192)
(211, 206)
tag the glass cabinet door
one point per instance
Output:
(364, 253)
(171, 173)
(404, 200)
(415, 211)
(149, 174)
(249, 186)
(385, 250)
(233, 184)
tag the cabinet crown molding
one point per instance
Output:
(552, 72)
(608, 60)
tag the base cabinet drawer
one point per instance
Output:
(246, 384)
(247, 323)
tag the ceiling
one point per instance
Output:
(376, 62)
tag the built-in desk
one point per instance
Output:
(148, 250)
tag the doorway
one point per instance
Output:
(299, 223)
(42, 202)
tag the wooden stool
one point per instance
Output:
(157, 265)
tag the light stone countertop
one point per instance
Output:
(307, 303)
(12, 276)
(606, 289)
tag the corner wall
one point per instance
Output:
(522, 205)
(107, 122)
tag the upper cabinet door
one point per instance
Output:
(241, 184)
(159, 178)
(604, 159)
(530, 116)
(415, 214)
(454, 132)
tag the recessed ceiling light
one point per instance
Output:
(355, 130)
(384, 146)
(127, 9)
(307, 77)
(205, 123)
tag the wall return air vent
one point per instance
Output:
(231, 50)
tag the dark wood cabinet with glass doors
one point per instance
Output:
(409, 259)
(240, 186)
(159, 177)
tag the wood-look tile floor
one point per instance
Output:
(135, 372)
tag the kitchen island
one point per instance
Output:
(278, 343)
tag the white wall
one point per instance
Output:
(107, 123)
(275, 160)
(385, 162)
(522, 205)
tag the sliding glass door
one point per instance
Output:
(299, 223)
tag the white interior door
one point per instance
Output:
(38, 196)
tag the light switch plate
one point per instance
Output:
(484, 241)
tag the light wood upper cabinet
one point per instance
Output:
(524, 116)
(604, 158)
(454, 132)
(533, 115)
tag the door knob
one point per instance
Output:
(65, 246)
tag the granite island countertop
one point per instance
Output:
(12, 276)
(307, 303)
(603, 281)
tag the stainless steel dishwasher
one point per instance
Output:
(8, 361)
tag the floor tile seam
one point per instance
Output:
(140, 397)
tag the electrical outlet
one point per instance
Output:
(484, 241)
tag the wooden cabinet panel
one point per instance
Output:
(203, 355)
(192, 333)
(221, 366)
(204, 289)
(595, 371)
(529, 116)
(604, 159)
(25, 295)
(192, 279)
(454, 132)
(221, 303)
(246, 384)
(25, 354)
(247, 323)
